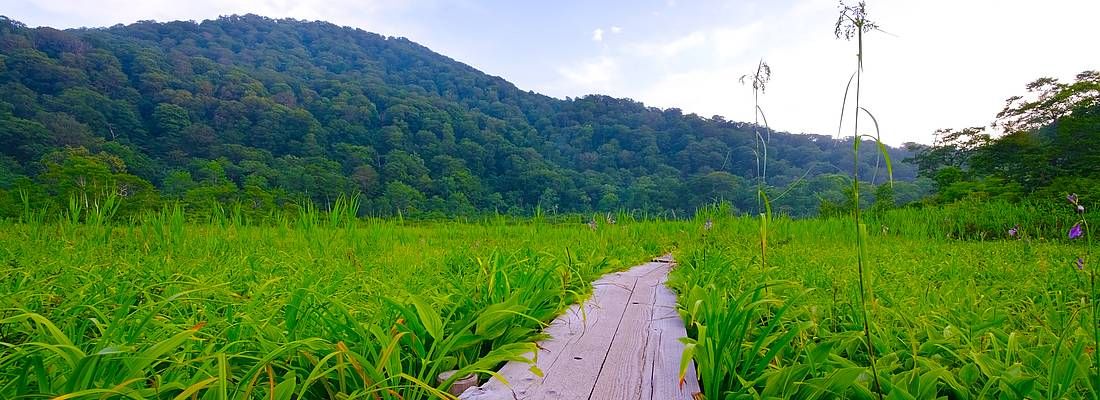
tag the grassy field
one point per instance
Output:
(324, 305)
(1007, 317)
(314, 307)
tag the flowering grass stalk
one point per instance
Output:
(853, 22)
(1079, 230)
(759, 81)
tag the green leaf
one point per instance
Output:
(154, 353)
(285, 389)
(685, 361)
(429, 317)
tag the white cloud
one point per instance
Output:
(616, 29)
(668, 48)
(706, 91)
(918, 78)
(596, 73)
(733, 43)
(597, 35)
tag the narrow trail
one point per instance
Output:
(625, 345)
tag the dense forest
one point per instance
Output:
(263, 113)
(1046, 145)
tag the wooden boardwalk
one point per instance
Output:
(624, 345)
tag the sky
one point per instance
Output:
(934, 64)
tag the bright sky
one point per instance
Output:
(942, 64)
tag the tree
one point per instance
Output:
(21, 139)
(90, 178)
(1050, 100)
(952, 149)
(1048, 138)
(399, 197)
(548, 200)
(884, 199)
(170, 119)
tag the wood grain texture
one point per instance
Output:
(665, 381)
(622, 374)
(622, 344)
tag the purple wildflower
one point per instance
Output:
(1080, 263)
(1014, 231)
(1076, 231)
(1072, 198)
(1080, 209)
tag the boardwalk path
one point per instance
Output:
(624, 346)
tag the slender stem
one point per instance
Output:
(855, 213)
(1092, 294)
(756, 128)
(762, 171)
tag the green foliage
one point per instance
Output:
(950, 318)
(1048, 148)
(288, 108)
(330, 307)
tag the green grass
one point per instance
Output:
(312, 306)
(949, 318)
(324, 305)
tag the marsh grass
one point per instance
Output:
(956, 306)
(956, 319)
(316, 304)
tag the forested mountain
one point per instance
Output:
(259, 112)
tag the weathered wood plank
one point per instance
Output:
(624, 345)
(578, 345)
(644, 269)
(574, 376)
(622, 372)
(664, 381)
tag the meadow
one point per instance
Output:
(958, 306)
(328, 305)
(312, 305)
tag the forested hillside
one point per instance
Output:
(260, 113)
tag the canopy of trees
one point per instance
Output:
(258, 112)
(1049, 146)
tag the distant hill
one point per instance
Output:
(257, 111)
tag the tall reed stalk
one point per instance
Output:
(759, 81)
(853, 22)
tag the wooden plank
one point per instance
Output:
(575, 374)
(643, 270)
(519, 375)
(623, 346)
(621, 374)
(578, 346)
(653, 341)
(666, 362)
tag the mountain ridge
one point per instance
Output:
(247, 102)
